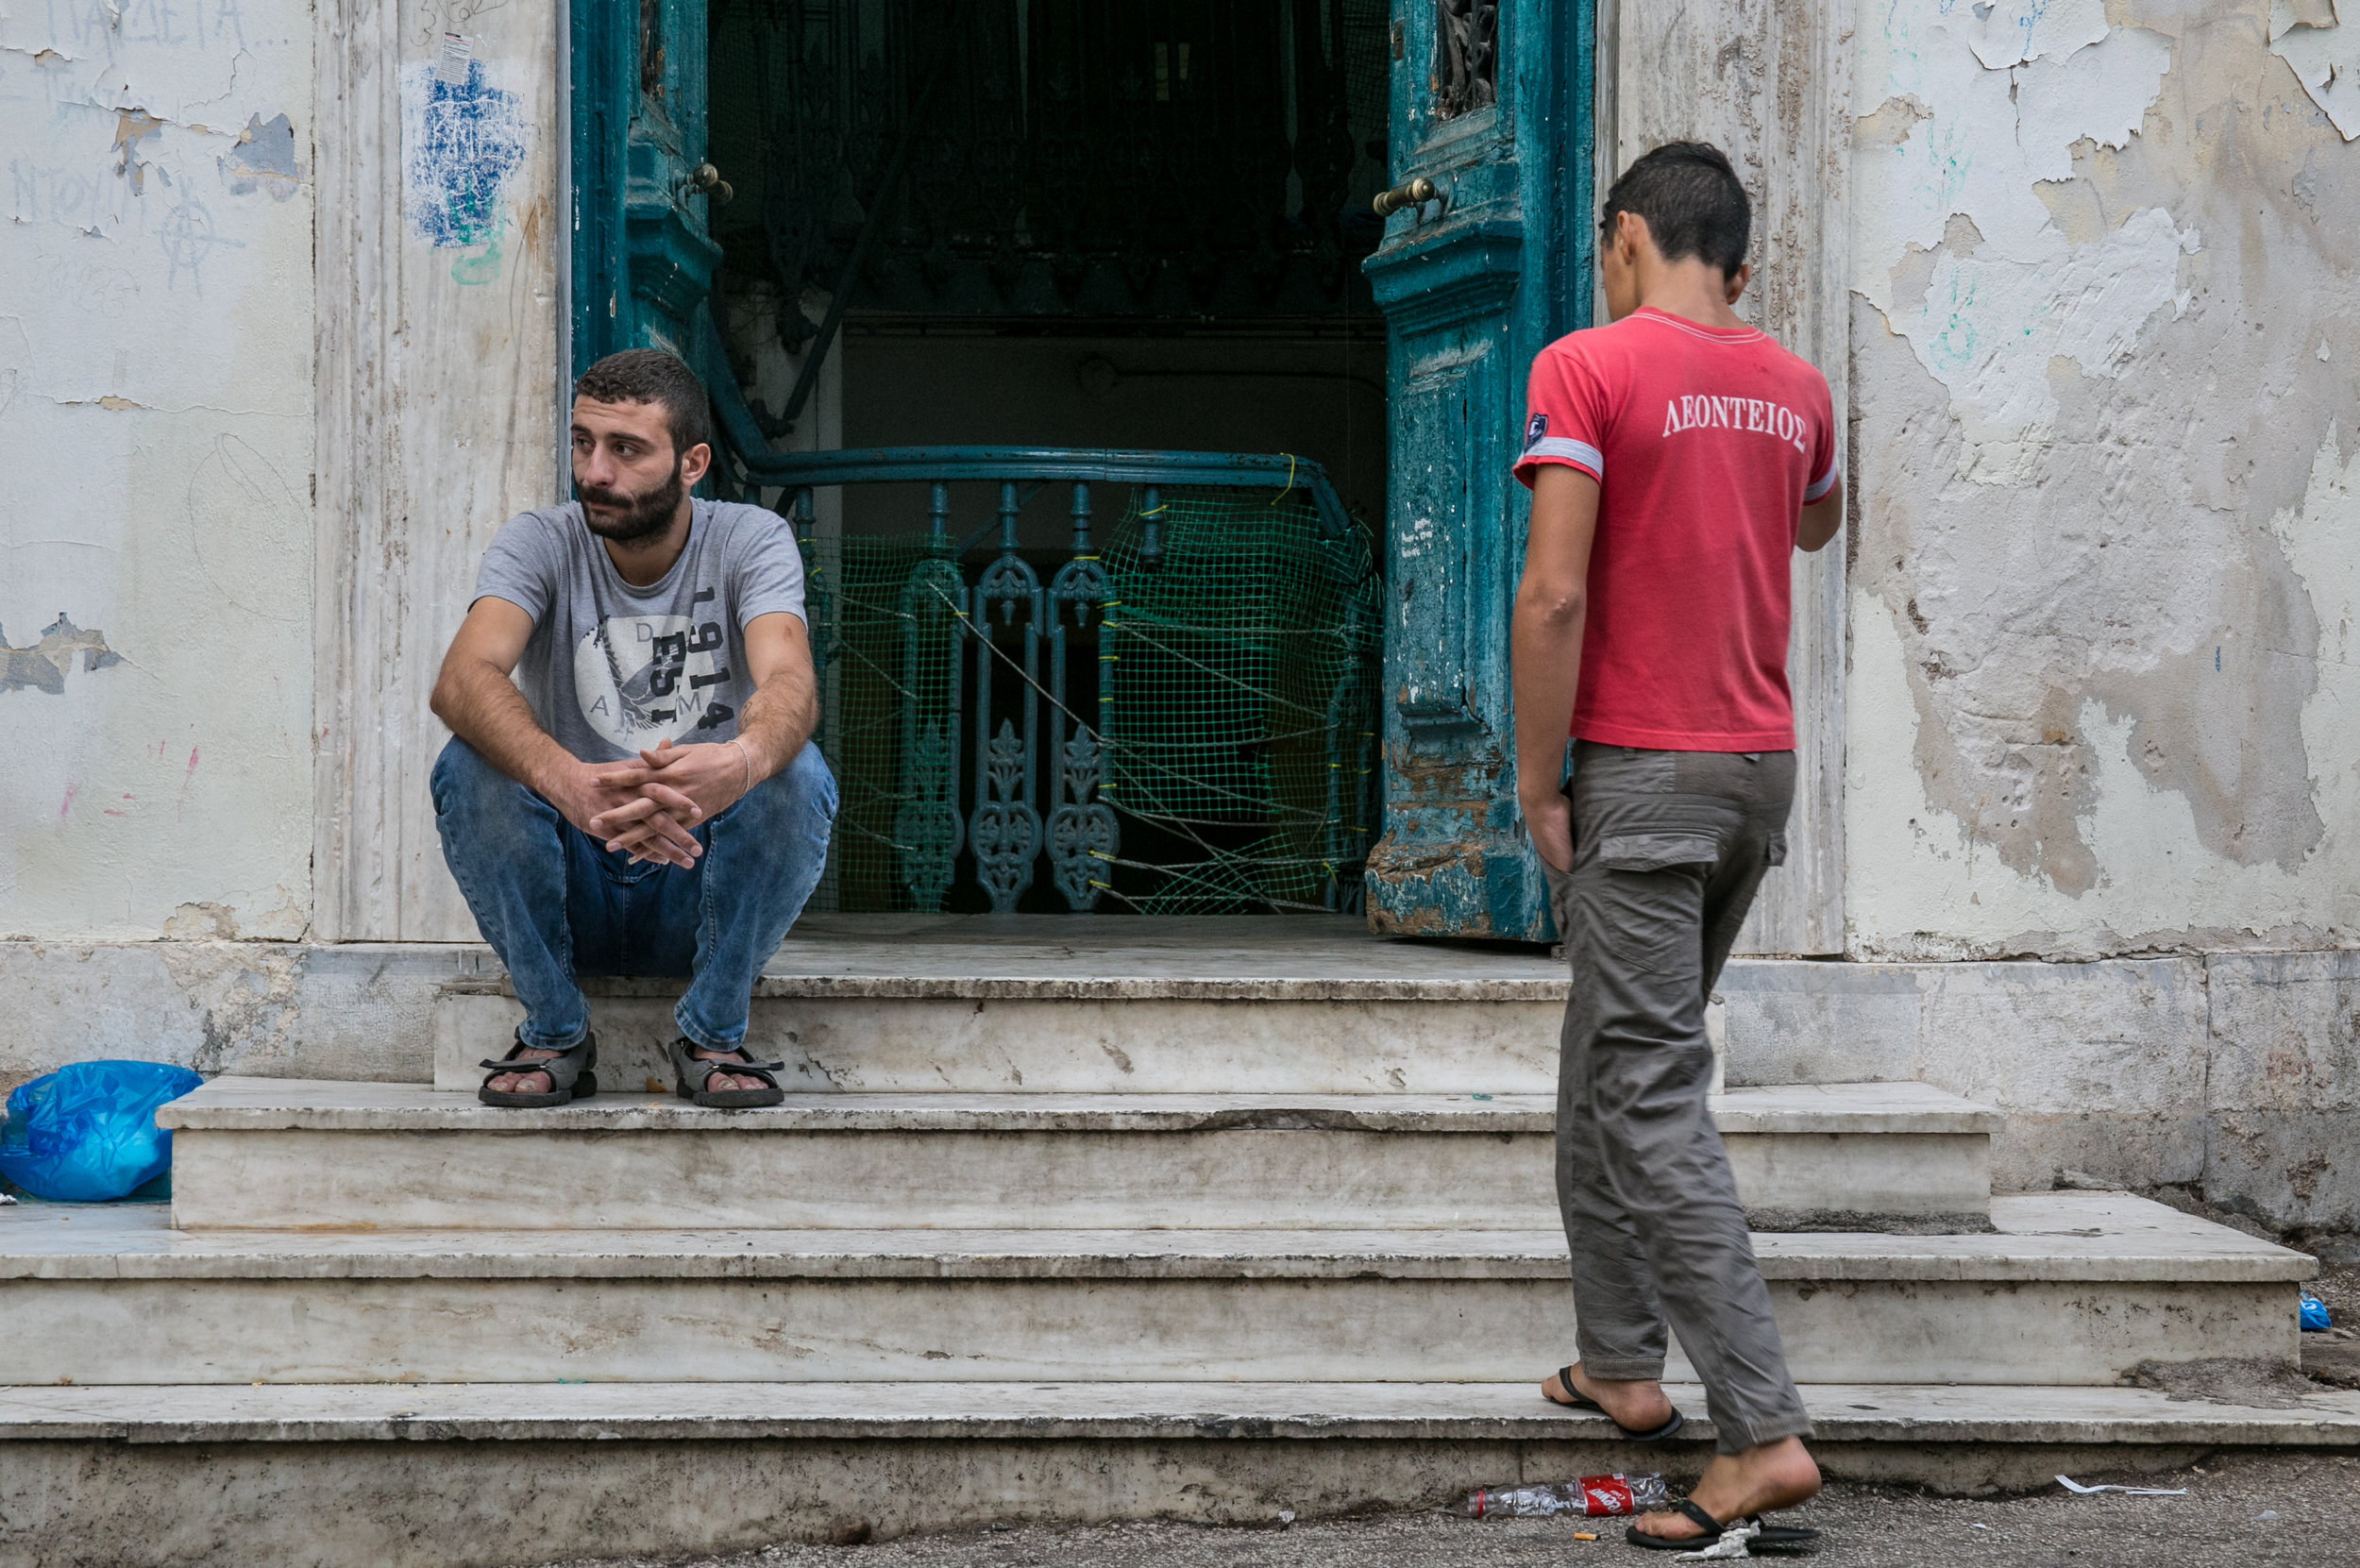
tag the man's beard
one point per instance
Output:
(643, 516)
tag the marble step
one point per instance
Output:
(2071, 1289)
(445, 1477)
(925, 1003)
(560, 1412)
(286, 1155)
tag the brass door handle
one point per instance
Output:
(1413, 193)
(706, 180)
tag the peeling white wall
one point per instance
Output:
(156, 434)
(2102, 695)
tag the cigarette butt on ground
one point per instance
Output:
(1585, 1535)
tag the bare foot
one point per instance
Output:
(720, 1081)
(1769, 1476)
(526, 1083)
(1638, 1404)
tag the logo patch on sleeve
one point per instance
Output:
(1535, 427)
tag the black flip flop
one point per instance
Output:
(1769, 1537)
(1582, 1402)
(1781, 1538)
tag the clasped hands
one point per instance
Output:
(648, 808)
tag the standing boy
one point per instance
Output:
(1676, 458)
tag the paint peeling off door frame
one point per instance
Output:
(1727, 72)
(433, 425)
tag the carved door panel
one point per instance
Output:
(1491, 105)
(643, 256)
(1427, 564)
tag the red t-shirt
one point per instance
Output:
(1706, 444)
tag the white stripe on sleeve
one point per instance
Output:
(1821, 485)
(1569, 450)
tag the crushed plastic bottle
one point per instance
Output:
(1595, 1495)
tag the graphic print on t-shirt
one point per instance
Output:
(642, 679)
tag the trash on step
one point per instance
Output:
(2073, 1486)
(1731, 1545)
(2314, 1313)
(5, 1200)
(1585, 1535)
(87, 1133)
(1593, 1495)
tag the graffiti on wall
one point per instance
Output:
(463, 139)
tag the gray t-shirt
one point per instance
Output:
(612, 668)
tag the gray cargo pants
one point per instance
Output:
(1669, 848)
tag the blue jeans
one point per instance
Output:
(555, 903)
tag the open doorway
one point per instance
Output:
(1116, 225)
(1073, 227)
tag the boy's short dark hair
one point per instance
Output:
(1693, 203)
(652, 376)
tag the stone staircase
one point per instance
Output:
(1065, 1219)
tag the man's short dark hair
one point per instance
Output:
(652, 376)
(1693, 203)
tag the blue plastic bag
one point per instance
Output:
(2314, 1312)
(87, 1132)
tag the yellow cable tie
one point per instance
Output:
(1107, 885)
(1290, 480)
(1157, 510)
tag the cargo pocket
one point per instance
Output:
(1653, 851)
(1648, 923)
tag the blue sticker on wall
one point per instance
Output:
(460, 142)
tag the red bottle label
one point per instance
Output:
(1602, 1494)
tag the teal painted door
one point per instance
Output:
(1492, 106)
(643, 256)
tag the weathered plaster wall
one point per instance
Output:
(439, 389)
(2102, 695)
(156, 435)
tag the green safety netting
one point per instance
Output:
(1232, 679)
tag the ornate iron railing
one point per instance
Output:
(991, 754)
